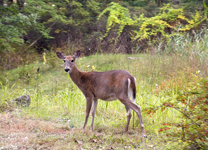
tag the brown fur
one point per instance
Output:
(107, 86)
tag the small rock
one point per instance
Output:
(131, 58)
(23, 101)
(78, 142)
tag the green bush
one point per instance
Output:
(191, 131)
(147, 28)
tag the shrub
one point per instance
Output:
(193, 106)
(163, 25)
(191, 131)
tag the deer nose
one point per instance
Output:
(66, 69)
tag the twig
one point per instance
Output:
(186, 116)
(39, 36)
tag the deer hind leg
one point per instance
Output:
(128, 111)
(94, 105)
(128, 103)
(88, 108)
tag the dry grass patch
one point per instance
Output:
(19, 132)
(11, 123)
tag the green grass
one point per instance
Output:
(57, 104)
(56, 98)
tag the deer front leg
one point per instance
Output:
(94, 105)
(88, 108)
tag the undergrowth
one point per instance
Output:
(163, 80)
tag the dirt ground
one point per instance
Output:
(24, 133)
(21, 133)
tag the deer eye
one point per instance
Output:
(64, 60)
(72, 60)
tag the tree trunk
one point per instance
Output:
(1, 3)
(9, 2)
(175, 2)
(20, 3)
(157, 2)
(148, 2)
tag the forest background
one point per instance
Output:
(163, 43)
(93, 26)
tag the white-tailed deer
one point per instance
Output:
(107, 86)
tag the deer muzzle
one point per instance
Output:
(66, 69)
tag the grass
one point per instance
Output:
(21, 132)
(55, 98)
(57, 111)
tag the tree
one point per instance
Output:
(32, 19)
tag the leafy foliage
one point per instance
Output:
(10, 32)
(190, 101)
(117, 15)
(131, 26)
(147, 28)
(14, 24)
(194, 107)
(38, 17)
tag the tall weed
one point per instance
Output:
(191, 44)
(161, 78)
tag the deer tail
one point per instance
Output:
(132, 88)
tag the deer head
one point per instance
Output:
(69, 61)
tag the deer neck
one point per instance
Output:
(76, 75)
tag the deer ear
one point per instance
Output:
(77, 54)
(60, 55)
